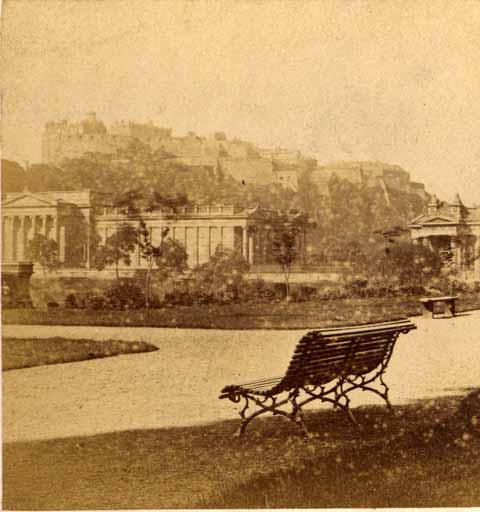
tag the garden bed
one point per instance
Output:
(26, 353)
(278, 315)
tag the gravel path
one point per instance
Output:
(179, 384)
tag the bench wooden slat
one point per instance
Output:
(315, 337)
(338, 354)
(319, 364)
(358, 329)
(327, 350)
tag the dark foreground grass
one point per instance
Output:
(303, 315)
(426, 456)
(25, 353)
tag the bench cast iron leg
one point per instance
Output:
(383, 394)
(345, 406)
(296, 416)
(245, 421)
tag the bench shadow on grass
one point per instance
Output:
(425, 455)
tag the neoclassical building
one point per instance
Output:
(78, 224)
(65, 217)
(452, 230)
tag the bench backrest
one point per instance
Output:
(323, 355)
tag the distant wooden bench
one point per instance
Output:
(438, 305)
(327, 365)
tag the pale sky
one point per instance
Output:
(392, 81)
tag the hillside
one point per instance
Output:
(243, 161)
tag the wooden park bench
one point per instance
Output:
(326, 365)
(438, 305)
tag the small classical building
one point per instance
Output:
(78, 223)
(452, 230)
(65, 217)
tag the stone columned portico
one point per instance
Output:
(60, 216)
(453, 231)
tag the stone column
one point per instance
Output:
(31, 227)
(35, 225)
(304, 255)
(4, 231)
(60, 232)
(44, 230)
(55, 229)
(245, 244)
(476, 255)
(251, 248)
(8, 238)
(259, 246)
(455, 251)
(209, 242)
(265, 239)
(87, 256)
(197, 252)
(137, 255)
(21, 239)
(13, 231)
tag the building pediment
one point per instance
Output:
(27, 201)
(439, 220)
(432, 220)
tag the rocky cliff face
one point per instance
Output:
(243, 161)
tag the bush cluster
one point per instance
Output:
(222, 280)
(124, 294)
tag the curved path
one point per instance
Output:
(178, 384)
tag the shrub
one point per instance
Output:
(179, 297)
(303, 293)
(95, 302)
(260, 291)
(124, 295)
(357, 288)
(71, 301)
(332, 293)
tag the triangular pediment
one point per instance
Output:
(439, 220)
(27, 201)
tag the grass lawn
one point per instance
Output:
(24, 353)
(427, 455)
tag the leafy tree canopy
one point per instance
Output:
(43, 250)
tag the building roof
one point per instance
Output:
(441, 212)
(50, 198)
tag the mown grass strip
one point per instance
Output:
(20, 353)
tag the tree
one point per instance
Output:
(43, 250)
(410, 265)
(221, 278)
(390, 237)
(168, 256)
(287, 229)
(117, 248)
